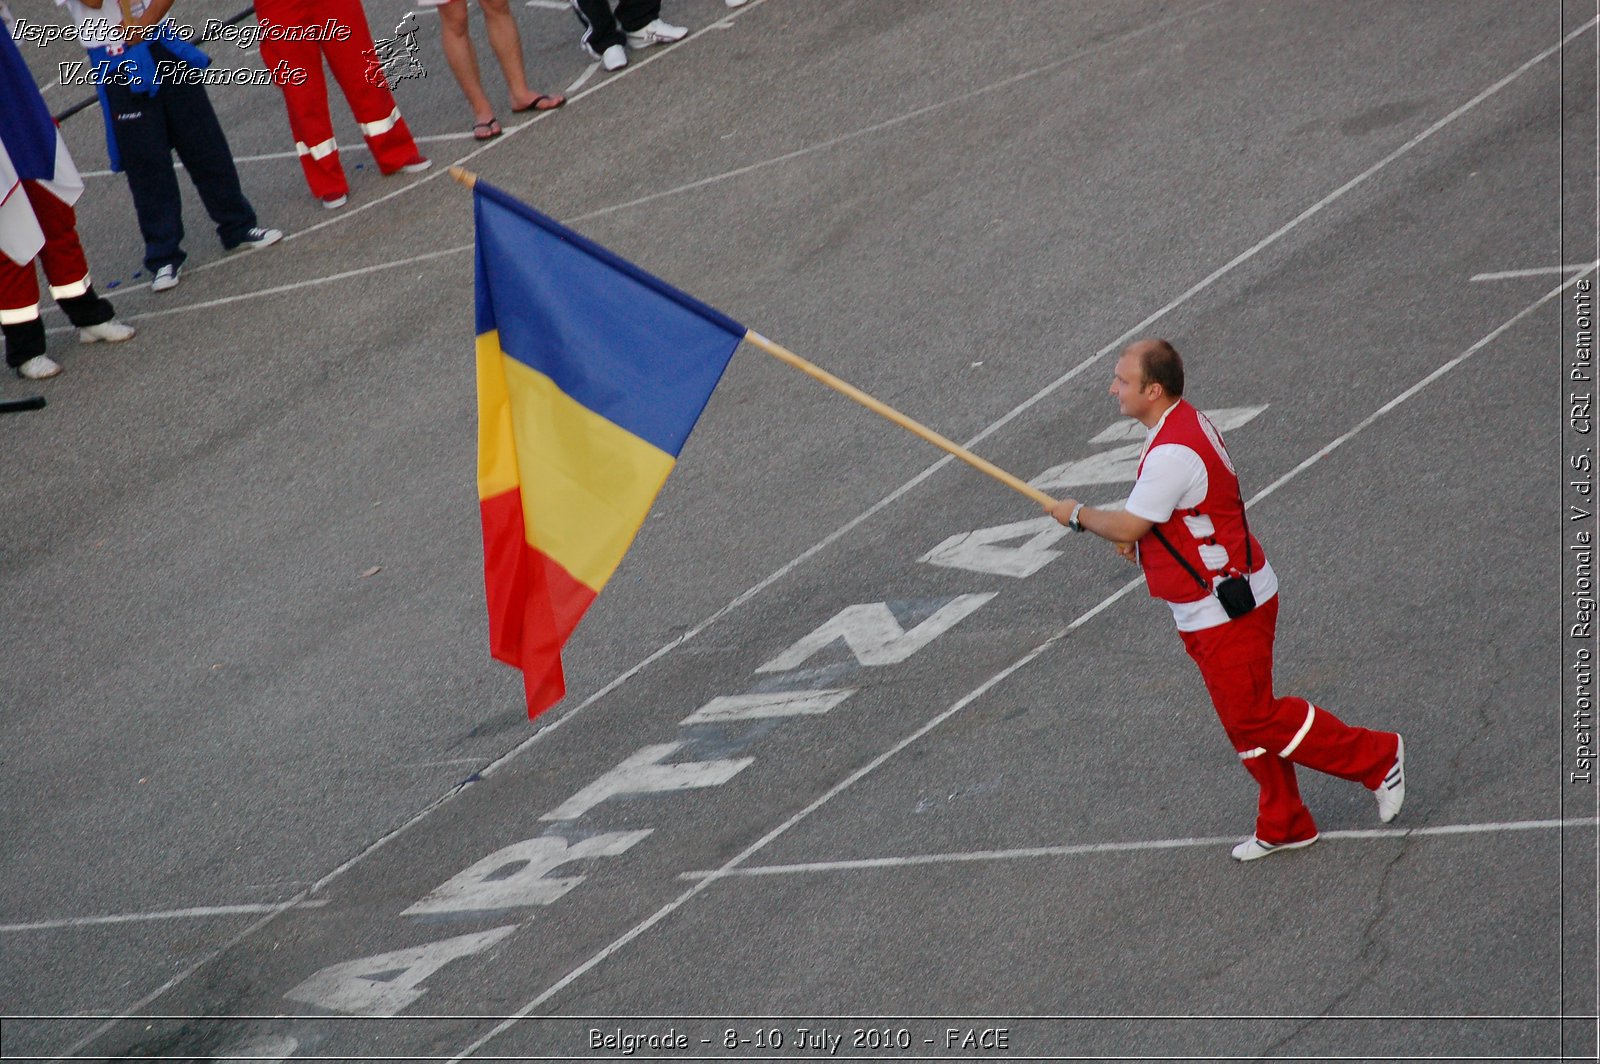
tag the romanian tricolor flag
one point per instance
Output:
(591, 373)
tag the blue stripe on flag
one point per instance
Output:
(27, 132)
(622, 342)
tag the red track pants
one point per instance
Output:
(352, 62)
(1273, 734)
(62, 256)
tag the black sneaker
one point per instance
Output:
(258, 238)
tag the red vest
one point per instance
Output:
(1167, 579)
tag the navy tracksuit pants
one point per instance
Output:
(148, 130)
(603, 27)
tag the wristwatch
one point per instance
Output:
(1072, 522)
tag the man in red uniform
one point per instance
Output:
(292, 35)
(1184, 523)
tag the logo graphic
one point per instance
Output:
(395, 58)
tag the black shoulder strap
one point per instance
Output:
(1167, 543)
(1249, 562)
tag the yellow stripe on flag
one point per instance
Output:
(586, 483)
(497, 456)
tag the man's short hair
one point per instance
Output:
(1162, 365)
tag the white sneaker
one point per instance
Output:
(1252, 848)
(416, 167)
(333, 203)
(38, 368)
(165, 278)
(614, 58)
(258, 238)
(736, 3)
(656, 32)
(1392, 791)
(112, 331)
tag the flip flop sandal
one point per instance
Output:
(486, 130)
(541, 102)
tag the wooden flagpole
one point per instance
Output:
(783, 354)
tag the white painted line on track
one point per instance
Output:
(273, 156)
(1329, 448)
(573, 94)
(262, 293)
(1026, 404)
(198, 912)
(589, 72)
(1542, 271)
(510, 132)
(749, 851)
(551, 722)
(709, 878)
(901, 119)
(345, 214)
(1021, 853)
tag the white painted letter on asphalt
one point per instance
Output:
(1122, 463)
(489, 885)
(776, 704)
(1107, 467)
(873, 634)
(269, 1050)
(980, 552)
(642, 773)
(383, 984)
(1228, 417)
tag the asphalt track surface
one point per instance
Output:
(266, 797)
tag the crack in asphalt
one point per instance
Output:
(1373, 954)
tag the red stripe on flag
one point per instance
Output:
(534, 603)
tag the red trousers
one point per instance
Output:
(62, 256)
(1272, 734)
(353, 64)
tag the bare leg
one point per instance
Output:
(507, 45)
(463, 60)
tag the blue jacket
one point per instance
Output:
(136, 67)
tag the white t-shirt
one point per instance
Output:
(1174, 478)
(96, 29)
